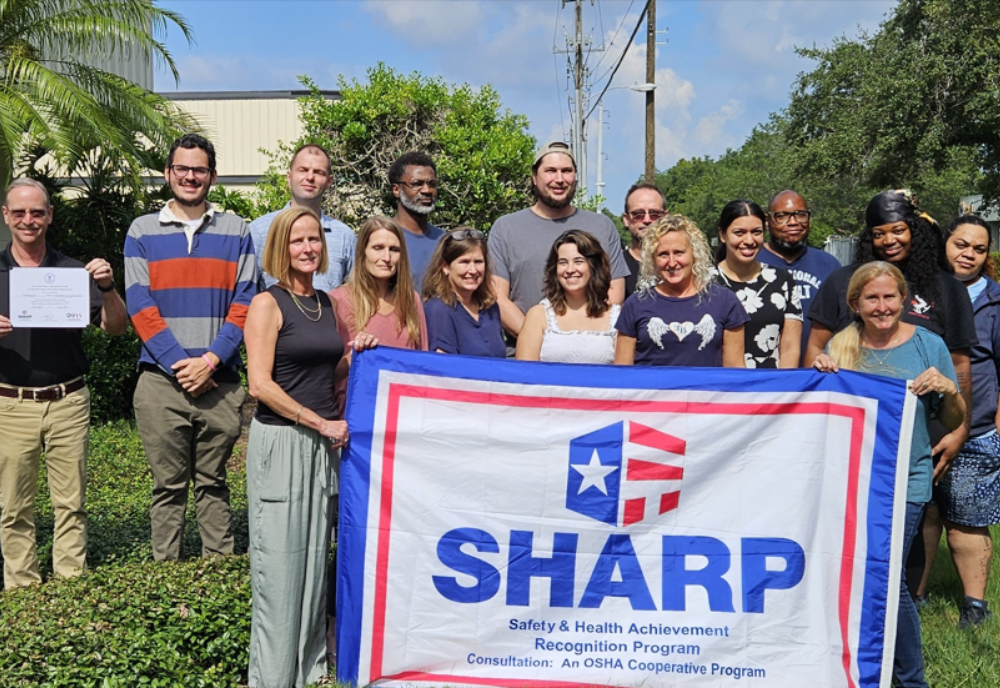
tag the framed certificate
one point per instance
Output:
(49, 297)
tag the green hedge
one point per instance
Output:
(176, 624)
(112, 374)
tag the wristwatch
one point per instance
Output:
(110, 287)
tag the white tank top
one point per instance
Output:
(578, 346)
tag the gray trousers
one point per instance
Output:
(290, 487)
(188, 440)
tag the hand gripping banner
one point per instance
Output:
(539, 525)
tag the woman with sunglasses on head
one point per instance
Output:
(574, 323)
(679, 316)
(968, 495)
(772, 337)
(879, 342)
(462, 314)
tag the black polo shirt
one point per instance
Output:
(40, 357)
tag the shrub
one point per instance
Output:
(166, 624)
(112, 374)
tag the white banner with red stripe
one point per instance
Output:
(513, 524)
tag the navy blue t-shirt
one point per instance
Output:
(809, 270)
(453, 330)
(685, 331)
(419, 248)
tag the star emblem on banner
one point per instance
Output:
(593, 473)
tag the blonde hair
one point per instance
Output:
(364, 288)
(845, 347)
(448, 250)
(276, 261)
(701, 268)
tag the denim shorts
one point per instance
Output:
(969, 493)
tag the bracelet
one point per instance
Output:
(207, 360)
(110, 287)
(297, 414)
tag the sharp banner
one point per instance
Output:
(539, 525)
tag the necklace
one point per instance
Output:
(887, 347)
(306, 310)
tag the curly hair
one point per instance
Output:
(449, 249)
(600, 273)
(703, 267)
(922, 267)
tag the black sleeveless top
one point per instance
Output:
(305, 356)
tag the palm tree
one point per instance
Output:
(52, 96)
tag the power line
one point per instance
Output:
(612, 42)
(621, 59)
(555, 59)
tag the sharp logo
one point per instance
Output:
(605, 483)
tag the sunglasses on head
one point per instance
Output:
(459, 234)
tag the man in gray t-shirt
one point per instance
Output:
(519, 243)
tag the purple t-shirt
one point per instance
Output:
(684, 331)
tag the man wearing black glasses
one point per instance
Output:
(788, 220)
(190, 274)
(415, 185)
(644, 205)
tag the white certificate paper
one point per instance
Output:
(49, 297)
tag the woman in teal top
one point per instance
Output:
(880, 343)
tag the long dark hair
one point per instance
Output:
(732, 212)
(600, 273)
(922, 265)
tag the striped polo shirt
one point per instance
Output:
(188, 295)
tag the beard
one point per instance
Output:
(196, 201)
(414, 207)
(789, 248)
(544, 197)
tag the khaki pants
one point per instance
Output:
(188, 440)
(62, 429)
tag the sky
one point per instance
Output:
(723, 67)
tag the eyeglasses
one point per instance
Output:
(783, 218)
(640, 215)
(183, 170)
(459, 234)
(418, 185)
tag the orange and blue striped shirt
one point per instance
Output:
(189, 295)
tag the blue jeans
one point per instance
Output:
(908, 665)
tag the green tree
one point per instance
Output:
(917, 101)
(51, 95)
(483, 152)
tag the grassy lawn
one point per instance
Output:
(130, 622)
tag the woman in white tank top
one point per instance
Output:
(574, 323)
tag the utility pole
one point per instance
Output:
(651, 94)
(578, 135)
(575, 49)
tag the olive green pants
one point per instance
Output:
(290, 488)
(188, 440)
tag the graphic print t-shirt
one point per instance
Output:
(685, 331)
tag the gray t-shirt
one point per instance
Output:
(519, 245)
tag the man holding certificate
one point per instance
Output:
(46, 299)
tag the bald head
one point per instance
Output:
(788, 218)
(782, 196)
